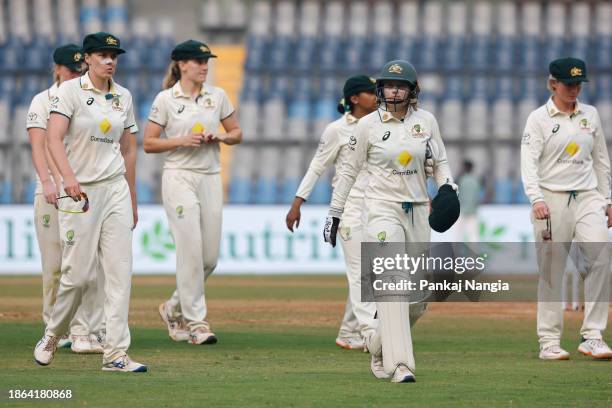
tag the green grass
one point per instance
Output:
(463, 360)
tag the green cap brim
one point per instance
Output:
(117, 50)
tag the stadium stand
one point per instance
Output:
(482, 66)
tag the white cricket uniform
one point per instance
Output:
(358, 316)
(88, 318)
(565, 163)
(394, 151)
(104, 233)
(192, 193)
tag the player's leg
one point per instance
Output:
(552, 258)
(349, 336)
(85, 327)
(80, 233)
(116, 262)
(182, 207)
(592, 233)
(47, 236)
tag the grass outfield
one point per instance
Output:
(277, 348)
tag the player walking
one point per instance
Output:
(565, 169)
(86, 326)
(89, 137)
(393, 142)
(188, 112)
(359, 100)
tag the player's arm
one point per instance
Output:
(324, 157)
(601, 165)
(441, 169)
(232, 135)
(129, 147)
(37, 138)
(56, 130)
(532, 145)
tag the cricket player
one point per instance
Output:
(393, 141)
(86, 327)
(90, 140)
(359, 100)
(188, 114)
(565, 169)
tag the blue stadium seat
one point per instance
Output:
(378, 55)
(288, 188)
(504, 53)
(305, 54)
(406, 50)
(555, 48)
(530, 53)
(503, 191)
(256, 53)
(240, 191)
(159, 51)
(519, 194)
(280, 55)
(266, 191)
(479, 52)
(144, 192)
(354, 53)
(430, 49)
(321, 193)
(602, 50)
(330, 54)
(6, 192)
(28, 192)
(11, 55)
(454, 53)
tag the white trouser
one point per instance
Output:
(358, 316)
(88, 318)
(574, 271)
(581, 218)
(103, 234)
(194, 203)
(393, 336)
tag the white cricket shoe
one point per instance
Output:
(124, 364)
(176, 330)
(377, 368)
(402, 374)
(554, 352)
(64, 342)
(596, 348)
(202, 335)
(95, 344)
(80, 344)
(350, 343)
(45, 350)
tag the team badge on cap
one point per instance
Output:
(111, 41)
(395, 69)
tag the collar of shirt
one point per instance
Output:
(387, 116)
(87, 84)
(350, 119)
(552, 109)
(177, 91)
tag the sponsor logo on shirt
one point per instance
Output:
(180, 211)
(417, 131)
(556, 128)
(386, 135)
(352, 142)
(571, 150)
(382, 236)
(116, 104)
(181, 109)
(101, 139)
(525, 139)
(46, 219)
(105, 126)
(404, 158)
(90, 101)
(70, 237)
(32, 116)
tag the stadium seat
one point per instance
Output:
(503, 191)
(144, 192)
(266, 191)
(6, 192)
(321, 193)
(240, 191)
(28, 192)
(91, 16)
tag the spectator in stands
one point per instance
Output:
(85, 328)
(90, 140)
(359, 100)
(469, 197)
(188, 113)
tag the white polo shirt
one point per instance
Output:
(38, 114)
(97, 122)
(332, 150)
(180, 115)
(395, 154)
(564, 152)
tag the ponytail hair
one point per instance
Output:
(173, 75)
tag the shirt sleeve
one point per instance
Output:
(532, 145)
(350, 166)
(226, 106)
(159, 111)
(326, 154)
(63, 102)
(130, 118)
(37, 114)
(601, 161)
(442, 172)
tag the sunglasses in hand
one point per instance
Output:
(82, 210)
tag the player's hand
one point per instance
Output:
(294, 215)
(609, 215)
(540, 210)
(429, 167)
(135, 214)
(330, 230)
(192, 140)
(72, 187)
(214, 138)
(50, 192)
